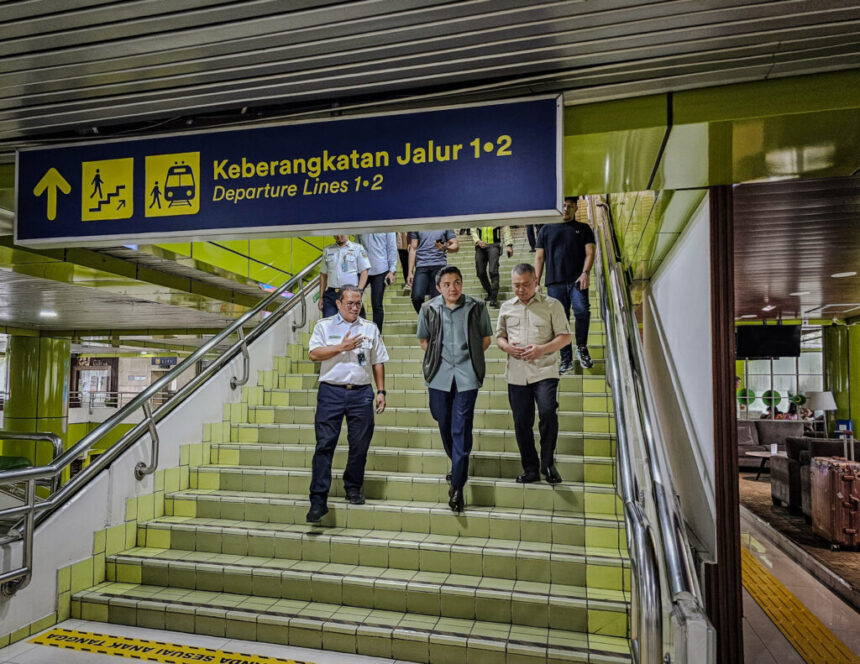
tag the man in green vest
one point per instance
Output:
(488, 250)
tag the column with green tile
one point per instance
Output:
(38, 392)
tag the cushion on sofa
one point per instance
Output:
(776, 431)
(747, 434)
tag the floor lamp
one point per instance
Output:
(822, 401)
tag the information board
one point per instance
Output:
(462, 164)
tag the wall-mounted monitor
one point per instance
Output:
(755, 342)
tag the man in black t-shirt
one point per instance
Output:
(567, 250)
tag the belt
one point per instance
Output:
(347, 387)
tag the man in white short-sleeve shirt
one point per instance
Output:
(351, 355)
(344, 263)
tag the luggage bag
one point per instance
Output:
(835, 485)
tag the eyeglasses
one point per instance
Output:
(352, 305)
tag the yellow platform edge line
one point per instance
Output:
(814, 642)
(148, 650)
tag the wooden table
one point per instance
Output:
(764, 456)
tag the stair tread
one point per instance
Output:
(439, 579)
(475, 511)
(596, 486)
(395, 427)
(418, 451)
(315, 615)
(406, 538)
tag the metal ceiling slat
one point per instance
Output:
(29, 9)
(79, 17)
(347, 58)
(165, 24)
(265, 49)
(509, 63)
(356, 15)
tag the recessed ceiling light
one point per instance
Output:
(769, 307)
(841, 275)
(749, 316)
(799, 293)
(46, 313)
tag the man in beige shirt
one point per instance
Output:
(531, 329)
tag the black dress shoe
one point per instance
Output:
(448, 478)
(528, 478)
(552, 475)
(316, 513)
(355, 497)
(456, 502)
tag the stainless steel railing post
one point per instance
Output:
(246, 362)
(141, 470)
(304, 305)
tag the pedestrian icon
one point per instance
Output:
(173, 184)
(107, 189)
(156, 196)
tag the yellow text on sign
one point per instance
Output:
(172, 184)
(107, 189)
(152, 651)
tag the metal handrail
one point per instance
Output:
(678, 573)
(16, 579)
(646, 603)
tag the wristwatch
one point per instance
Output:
(382, 392)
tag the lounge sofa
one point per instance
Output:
(789, 473)
(757, 436)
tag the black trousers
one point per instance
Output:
(404, 262)
(523, 399)
(531, 234)
(487, 266)
(377, 290)
(424, 284)
(333, 404)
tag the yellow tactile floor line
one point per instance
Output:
(812, 640)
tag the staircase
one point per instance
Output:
(527, 574)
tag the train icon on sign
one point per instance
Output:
(179, 185)
(172, 184)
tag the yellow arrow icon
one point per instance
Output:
(50, 182)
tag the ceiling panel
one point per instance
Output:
(68, 67)
(790, 237)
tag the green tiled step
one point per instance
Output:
(424, 593)
(486, 440)
(605, 532)
(495, 365)
(600, 470)
(414, 352)
(594, 402)
(484, 418)
(415, 381)
(397, 635)
(578, 497)
(539, 562)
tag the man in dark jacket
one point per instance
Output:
(454, 330)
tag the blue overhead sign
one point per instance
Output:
(454, 165)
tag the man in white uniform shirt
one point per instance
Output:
(350, 351)
(344, 263)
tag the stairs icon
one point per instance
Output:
(104, 201)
